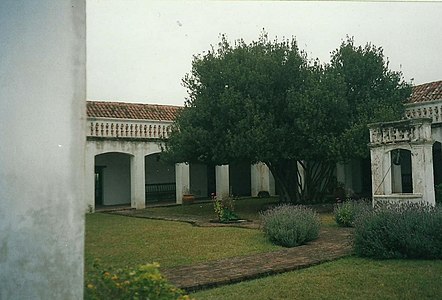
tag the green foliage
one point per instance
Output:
(266, 101)
(119, 241)
(347, 212)
(142, 282)
(373, 92)
(290, 226)
(224, 209)
(405, 231)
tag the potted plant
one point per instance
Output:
(188, 197)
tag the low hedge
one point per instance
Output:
(290, 226)
(405, 231)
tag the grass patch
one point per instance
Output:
(349, 278)
(246, 208)
(119, 241)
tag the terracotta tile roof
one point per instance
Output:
(426, 92)
(120, 110)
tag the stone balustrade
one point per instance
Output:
(405, 131)
(133, 129)
(432, 110)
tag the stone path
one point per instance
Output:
(333, 243)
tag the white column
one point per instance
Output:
(137, 181)
(182, 181)
(422, 169)
(377, 170)
(386, 173)
(222, 181)
(42, 100)
(344, 174)
(340, 172)
(260, 180)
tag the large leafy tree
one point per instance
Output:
(265, 101)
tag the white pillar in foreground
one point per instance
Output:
(222, 181)
(42, 115)
(182, 181)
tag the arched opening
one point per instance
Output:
(437, 163)
(159, 179)
(437, 170)
(401, 171)
(112, 179)
(240, 179)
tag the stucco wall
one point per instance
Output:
(42, 107)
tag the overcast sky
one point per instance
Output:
(139, 50)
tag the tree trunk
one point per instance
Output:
(309, 187)
(286, 177)
(318, 177)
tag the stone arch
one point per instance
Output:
(112, 178)
(401, 171)
(437, 162)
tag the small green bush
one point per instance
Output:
(347, 212)
(404, 231)
(290, 226)
(143, 282)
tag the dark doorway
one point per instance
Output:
(437, 163)
(401, 162)
(365, 177)
(240, 179)
(99, 185)
(211, 180)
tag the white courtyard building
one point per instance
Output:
(406, 158)
(123, 164)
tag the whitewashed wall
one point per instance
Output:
(42, 107)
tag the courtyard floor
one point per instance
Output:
(333, 243)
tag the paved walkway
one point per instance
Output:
(332, 244)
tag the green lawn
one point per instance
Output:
(119, 241)
(349, 278)
(247, 208)
(124, 241)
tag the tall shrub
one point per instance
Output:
(290, 226)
